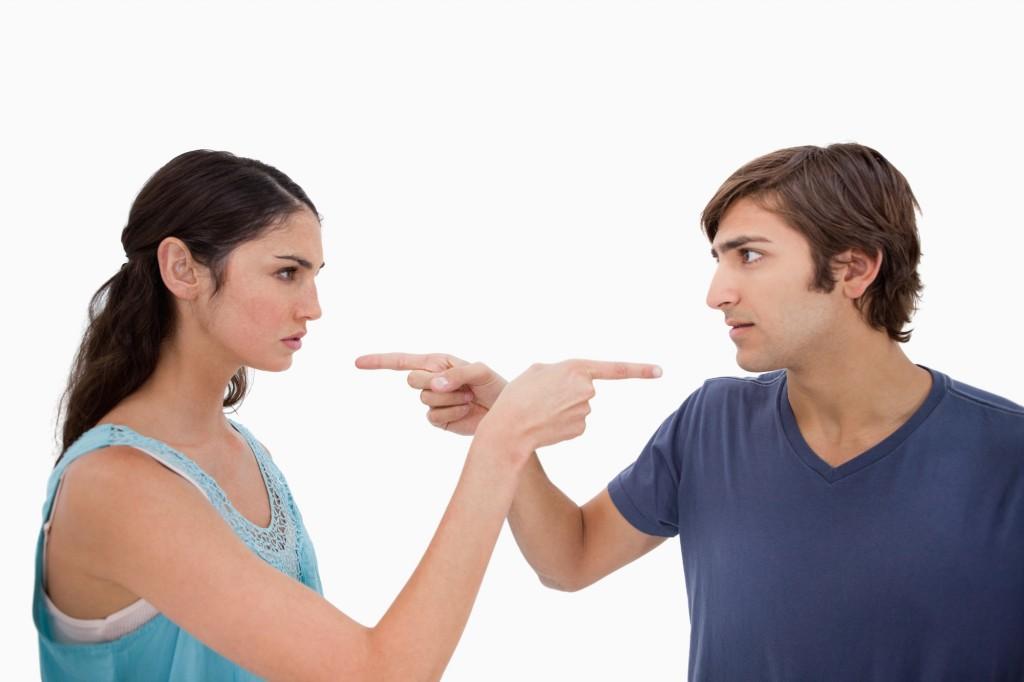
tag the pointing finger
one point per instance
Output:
(599, 369)
(405, 361)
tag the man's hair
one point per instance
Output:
(839, 197)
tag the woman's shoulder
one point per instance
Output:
(116, 477)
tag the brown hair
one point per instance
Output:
(212, 201)
(839, 197)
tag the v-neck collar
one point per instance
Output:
(831, 474)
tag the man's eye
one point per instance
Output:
(749, 256)
(287, 274)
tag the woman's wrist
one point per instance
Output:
(499, 437)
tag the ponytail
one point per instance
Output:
(128, 319)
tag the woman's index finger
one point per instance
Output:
(401, 362)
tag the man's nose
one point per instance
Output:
(722, 292)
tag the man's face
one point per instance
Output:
(762, 285)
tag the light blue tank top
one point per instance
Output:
(159, 649)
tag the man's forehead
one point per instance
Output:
(746, 222)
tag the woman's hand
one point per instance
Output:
(458, 394)
(549, 403)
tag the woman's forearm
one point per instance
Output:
(416, 637)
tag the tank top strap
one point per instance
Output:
(262, 456)
(106, 435)
(275, 543)
(273, 477)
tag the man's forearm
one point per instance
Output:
(548, 527)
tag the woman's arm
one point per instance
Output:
(126, 519)
(570, 547)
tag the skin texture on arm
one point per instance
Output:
(569, 547)
(125, 520)
(129, 520)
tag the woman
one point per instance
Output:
(171, 546)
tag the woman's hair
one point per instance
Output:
(839, 197)
(213, 202)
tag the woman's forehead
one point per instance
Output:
(298, 234)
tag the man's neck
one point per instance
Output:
(851, 401)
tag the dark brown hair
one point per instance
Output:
(839, 197)
(212, 201)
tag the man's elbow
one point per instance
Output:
(562, 585)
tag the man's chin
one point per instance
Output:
(750, 363)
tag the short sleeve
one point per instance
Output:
(646, 492)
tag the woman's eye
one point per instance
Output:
(287, 274)
(749, 256)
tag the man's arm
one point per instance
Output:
(568, 546)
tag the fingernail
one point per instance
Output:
(438, 383)
(656, 372)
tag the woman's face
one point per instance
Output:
(268, 295)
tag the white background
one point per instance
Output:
(508, 182)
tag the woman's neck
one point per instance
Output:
(183, 398)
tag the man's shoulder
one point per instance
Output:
(725, 397)
(997, 420)
(760, 386)
(984, 400)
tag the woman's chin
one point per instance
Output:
(274, 365)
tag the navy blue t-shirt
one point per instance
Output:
(905, 563)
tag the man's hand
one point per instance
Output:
(458, 393)
(548, 404)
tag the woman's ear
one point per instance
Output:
(855, 270)
(179, 271)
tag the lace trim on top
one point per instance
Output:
(277, 544)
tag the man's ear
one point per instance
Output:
(855, 270)
(178, 269)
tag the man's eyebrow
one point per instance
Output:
(301, 261)
(736, 243)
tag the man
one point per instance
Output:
(847, 515)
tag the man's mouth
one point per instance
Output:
(738, 328)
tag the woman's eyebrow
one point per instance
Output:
(301, 261)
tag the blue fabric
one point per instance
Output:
(905, 563)
(160, 650)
